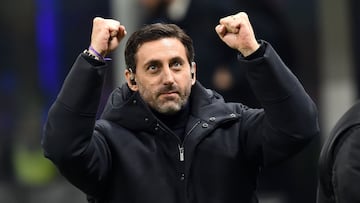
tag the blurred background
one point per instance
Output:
(40, 39)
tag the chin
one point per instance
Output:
(169, 109)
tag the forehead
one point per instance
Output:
(161, 49)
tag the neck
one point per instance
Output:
(175, 122)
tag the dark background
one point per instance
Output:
(39, 41)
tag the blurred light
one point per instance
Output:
(47, 46)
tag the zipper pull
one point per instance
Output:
(181, 155)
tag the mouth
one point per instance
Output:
(169, 94)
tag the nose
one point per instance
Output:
(167, 76)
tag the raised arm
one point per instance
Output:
(289, 119)
(69, 139)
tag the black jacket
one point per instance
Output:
(339, 162)
(130, 156)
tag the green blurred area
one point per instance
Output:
(32, 168)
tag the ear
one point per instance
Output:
(130, 79)
(193, 72)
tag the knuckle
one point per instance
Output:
(98, 19)
(243, 14)
(113, 24)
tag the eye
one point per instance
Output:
(152, 68)
(176, 64)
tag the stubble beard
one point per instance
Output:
(164, 105)
(170, 107)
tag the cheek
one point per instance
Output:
(146, 90)
(186, 87)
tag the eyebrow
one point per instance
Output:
(158, 62)
(177, 59)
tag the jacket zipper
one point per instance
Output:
(181, 153)
(181, 145)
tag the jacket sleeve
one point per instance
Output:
(289, 119)
(69, 139)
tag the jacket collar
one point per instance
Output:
(127, 108)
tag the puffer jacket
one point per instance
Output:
(129, 156)
(339, 161)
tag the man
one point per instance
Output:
(163, 137)
(339, 162)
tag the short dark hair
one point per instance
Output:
(154, 32)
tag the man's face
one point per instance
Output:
(163, 75)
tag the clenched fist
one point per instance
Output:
(237, 32)
(106, 35)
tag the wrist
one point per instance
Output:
(258, 53)
(91, 55)
(98, 55)
(250, 49)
